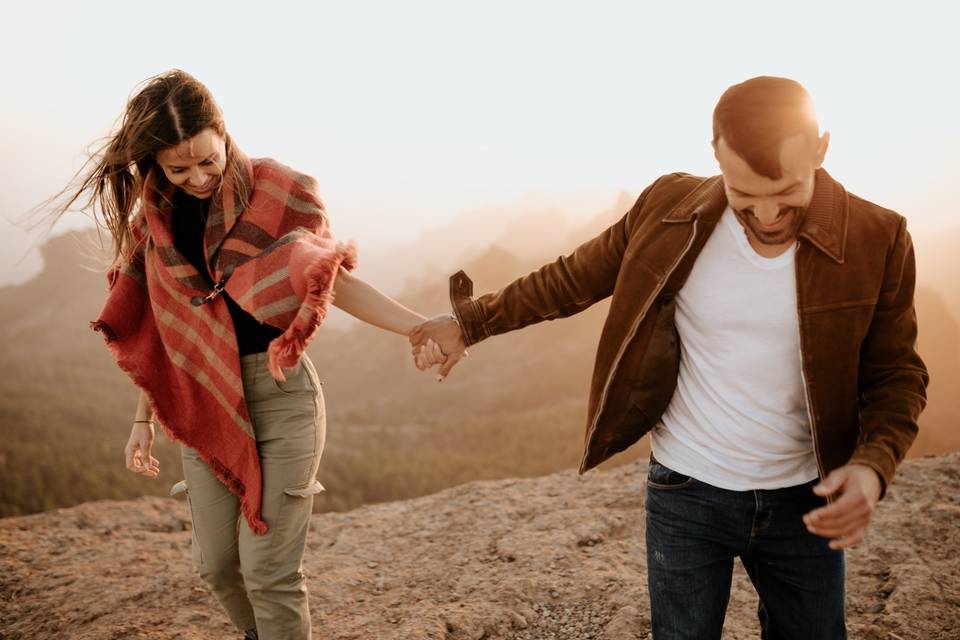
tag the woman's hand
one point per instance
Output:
(443, 330)
(137, 451)
(428, 354)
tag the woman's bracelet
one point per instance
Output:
(143, 421)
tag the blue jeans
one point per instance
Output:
(694, 531)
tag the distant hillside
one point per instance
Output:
(938, 265)
(534, 226)
(939, 345)
(392, 431)
(554, 558)
(516, 407)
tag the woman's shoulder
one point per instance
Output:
(272, 169)
(283, 179)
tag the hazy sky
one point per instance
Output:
(409, 113)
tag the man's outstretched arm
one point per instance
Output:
(558, 289)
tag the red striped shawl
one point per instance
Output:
(184, 355)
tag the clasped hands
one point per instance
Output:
(439, 340)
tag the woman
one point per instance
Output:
(224, 269)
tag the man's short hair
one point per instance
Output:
(756, 115)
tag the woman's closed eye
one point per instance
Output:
(176, 170)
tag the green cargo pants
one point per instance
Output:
(259, 580)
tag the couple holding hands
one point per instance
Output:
(761, 330)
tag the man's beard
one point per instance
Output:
(780, 236)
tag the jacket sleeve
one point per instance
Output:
(558, 289)
(893, 378)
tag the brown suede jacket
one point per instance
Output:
(865, 383)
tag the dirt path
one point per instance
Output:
(553, 558)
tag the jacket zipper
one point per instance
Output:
(813, 420)
(803, 380)
(633, 331)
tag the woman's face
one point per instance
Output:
(196, 164)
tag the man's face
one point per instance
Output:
(772, 210)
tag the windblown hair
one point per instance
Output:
(755, 116)
(168, 109)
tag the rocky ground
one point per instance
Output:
(553, 558)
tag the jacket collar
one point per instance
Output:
(824, 226)
(707, 198)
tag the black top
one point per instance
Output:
(189, 221)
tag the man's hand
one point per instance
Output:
(845, 521)
(444, 331)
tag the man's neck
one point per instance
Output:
(768, 250)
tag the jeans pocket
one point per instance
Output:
(666, 479)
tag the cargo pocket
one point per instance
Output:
(195, 552)
(177, 489)
(288, 529)
(310, 489)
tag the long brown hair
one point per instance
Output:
(166, 110)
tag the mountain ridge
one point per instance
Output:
(516, 407)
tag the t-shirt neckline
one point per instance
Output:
(743, 243)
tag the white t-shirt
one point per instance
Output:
(738, 419)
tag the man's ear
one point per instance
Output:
(822, 145)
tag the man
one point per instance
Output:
(762, 330)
